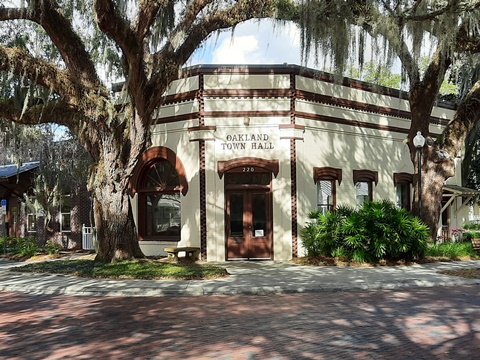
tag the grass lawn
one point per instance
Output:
(136, 269)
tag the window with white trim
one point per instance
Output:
(65, 214)
(363, 191)
(326, 179)
(403, 196)
(31, 222)
(403, 185)
(364, 180)
(325, 195)
(160, 199)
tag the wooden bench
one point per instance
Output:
(476, 244)
(191, 252)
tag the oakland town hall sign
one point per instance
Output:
(247, 141)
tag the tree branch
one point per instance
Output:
(60, 31)
(171, 57)
(465, 120)
(191, 13)
(411, 15)
(147, 12)
(111, 23)
(117, 28)
(51, 112)
(88, 100)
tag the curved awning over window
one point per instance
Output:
(327, 173)
(365, 176)
(268, 165)
(149, 158)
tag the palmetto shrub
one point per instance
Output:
(376, 230)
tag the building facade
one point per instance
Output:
(241, 155)
(64, 226)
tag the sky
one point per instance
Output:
(253, 42)
(261, 42)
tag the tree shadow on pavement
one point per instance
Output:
(426, 323)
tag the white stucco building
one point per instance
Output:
(241, 155)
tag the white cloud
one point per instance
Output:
(253, 42)
(236, 50)
(265, 42)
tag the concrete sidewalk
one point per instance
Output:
(254, 278)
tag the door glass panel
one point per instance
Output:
(236, 215)
(259, 214)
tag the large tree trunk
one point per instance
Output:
(116, 232)
(435, 171)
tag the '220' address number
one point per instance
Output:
(248, 169)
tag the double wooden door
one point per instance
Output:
(249, 224)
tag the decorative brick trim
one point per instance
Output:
(202, 128)
(327, 173)
(402, 178)
(293, 175)
(365, 175)
(269, 165)
(203, 201)
(296, 70)
(149, 158)
(293, 169)
(202, 170)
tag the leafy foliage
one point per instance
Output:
(25, 247)
(374, 231)
(51, 247)
(454, 251)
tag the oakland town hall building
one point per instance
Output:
(241, 155)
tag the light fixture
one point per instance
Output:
(419, 140)
(246, 121)
(419, 143)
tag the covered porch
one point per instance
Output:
(458, 207)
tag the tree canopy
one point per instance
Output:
(58, 57)
(445, 31)
(57, 66)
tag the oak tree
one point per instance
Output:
(67, 51)
(445, 30)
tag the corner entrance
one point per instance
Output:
(248, 214)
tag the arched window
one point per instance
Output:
(159, 200)
(159, 181)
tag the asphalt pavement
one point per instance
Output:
(252, 278)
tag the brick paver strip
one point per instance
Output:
(423, 323)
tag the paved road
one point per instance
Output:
(420, 323)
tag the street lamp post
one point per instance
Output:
(419, 142)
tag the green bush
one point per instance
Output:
(452, 250)
(20, 246)
(470, 234)
(471, 226)
(26, 247)
(51, 247)
(374, 231)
